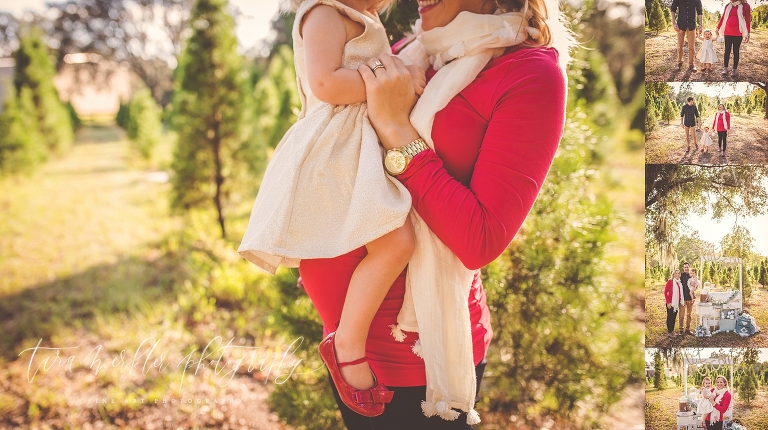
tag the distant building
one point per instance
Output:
(6, 79)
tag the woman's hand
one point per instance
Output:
(669, 306)
(390, 96)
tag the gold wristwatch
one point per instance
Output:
(397, 159)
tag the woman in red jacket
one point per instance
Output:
(721, 124)
(721, 403)
(673, 295)
(473, 187)
(735, 25)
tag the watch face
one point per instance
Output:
(394, 162)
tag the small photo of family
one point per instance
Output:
(706, 256)
(706, 123)
(706, 388)
(706, 40)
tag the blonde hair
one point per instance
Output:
(706, 378)
(293, 5)
(537, 9)
(723, 378)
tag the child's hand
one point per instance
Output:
(418, 78)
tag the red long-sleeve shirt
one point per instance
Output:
(718, 123)
(732, 20)
(668, 291)
(494, 144)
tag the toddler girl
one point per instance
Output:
(706, 139)
(707, 54)
(705, 404)
(325, 192)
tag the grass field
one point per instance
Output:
(90, 260)
(747, 144)
(661, 60)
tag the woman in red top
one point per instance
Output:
(673, 295)
(721, 124)
(721, 403)
(735, 25)
(493, 145)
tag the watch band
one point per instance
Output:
(413, 148)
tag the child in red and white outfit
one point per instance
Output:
(721, 125)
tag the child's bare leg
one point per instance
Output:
(386, 259)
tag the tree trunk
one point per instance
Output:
(219, 177)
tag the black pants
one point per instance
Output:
(671, 319)
(721, 137)
(735, 43)
(715, 426)
(404, 411)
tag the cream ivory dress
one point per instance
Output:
(707, 52)
(325, 191)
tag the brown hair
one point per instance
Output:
(539, 15)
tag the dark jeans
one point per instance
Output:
(671, 318)
(404, 411)
(721, 137)
(735, 43)
(715, 426)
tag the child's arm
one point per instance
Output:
(324, 31)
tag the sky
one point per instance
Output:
(713, 231)
(253, 27)
(712, 90)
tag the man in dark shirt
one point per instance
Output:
(689, 117)
(686, 310)
(685, 15)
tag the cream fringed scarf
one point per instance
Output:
(718, 399)
(437, 285)
(742, 22)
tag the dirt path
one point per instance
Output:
(661, 60)
(747, 144)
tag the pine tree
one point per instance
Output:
(669, 110)
(143, 125)
(210, 108)
(659, 377)
(656, 20)
(651, 116)
(21, 145)
(35, 72)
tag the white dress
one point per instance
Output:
(706, 140)
(325, 191)
(707, 52)
(705, 405)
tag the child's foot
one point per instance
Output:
(359, 376)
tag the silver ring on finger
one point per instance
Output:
(376, 66)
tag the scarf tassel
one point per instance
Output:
(397, 332)
(416, 348)
(473, 417)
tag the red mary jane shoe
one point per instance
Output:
(369, 402)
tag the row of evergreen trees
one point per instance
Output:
(34, 123)
(658, 17)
